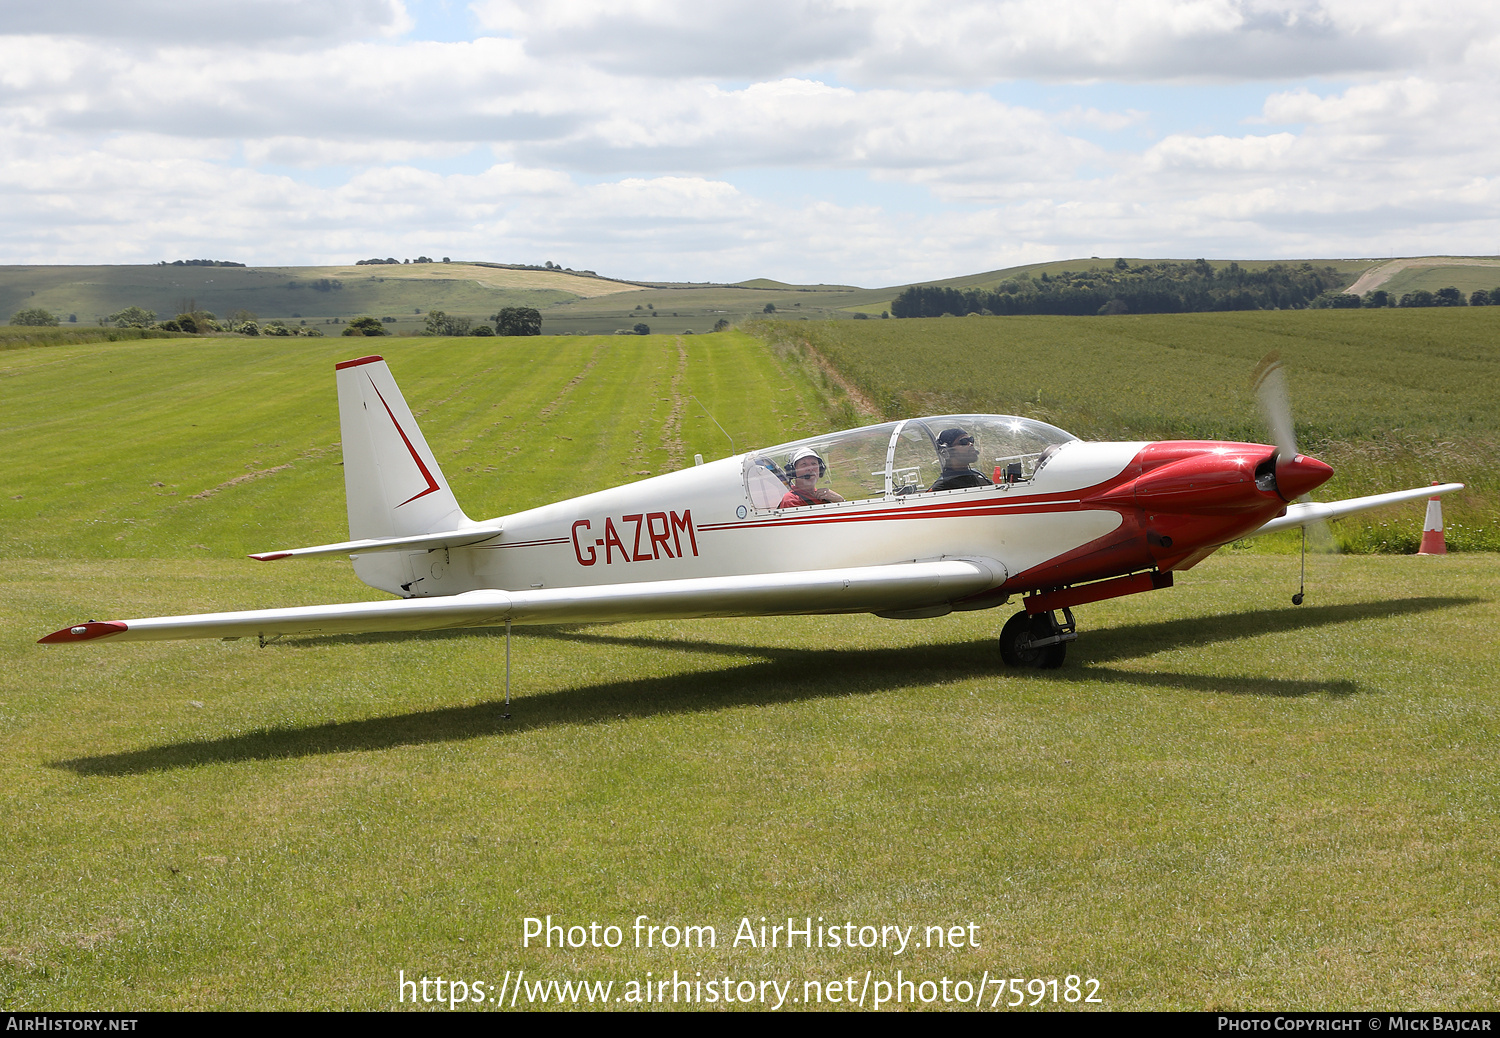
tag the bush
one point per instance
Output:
(641, 328)
(518, 320)
(34, 317)
(132, 317)
(1336, 301)
(365, 326)
(720, 325)
(482, 329)
(440, 323)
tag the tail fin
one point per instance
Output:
(392, 482)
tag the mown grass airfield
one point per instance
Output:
(1221, 801)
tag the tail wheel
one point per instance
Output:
(1017, 637)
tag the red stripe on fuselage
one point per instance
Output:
(976, 505)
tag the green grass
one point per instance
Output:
(1220, 801)
(1390, 398)
(197, 448)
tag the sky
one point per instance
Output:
(868, 142)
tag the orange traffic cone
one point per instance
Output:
(1432, 530)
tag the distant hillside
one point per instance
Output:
(571, 301)
(312, 295)
(1466, 273)
(1125, 288)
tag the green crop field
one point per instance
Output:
(1221, 801)
(1390, 398)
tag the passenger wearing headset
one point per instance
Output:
(807, 469)
(958, 450)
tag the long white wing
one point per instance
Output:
(1303, 514)
(911, 585)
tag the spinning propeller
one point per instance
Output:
(1290, 473)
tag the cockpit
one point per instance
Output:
(945, 454)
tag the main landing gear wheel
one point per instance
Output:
(1022, 632)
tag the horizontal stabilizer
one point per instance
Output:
(1303, 514)
(429, 541)
(909, 585)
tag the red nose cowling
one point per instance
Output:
(1178, 501)
(1299, 475)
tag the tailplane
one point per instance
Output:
(400, 506)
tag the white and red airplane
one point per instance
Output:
(891, 519)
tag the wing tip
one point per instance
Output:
(271, 556)
(84, 632)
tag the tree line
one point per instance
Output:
(1147, 288)
(200, 263)
(511, 320)
(392, 259)
(1450, 296)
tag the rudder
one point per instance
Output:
(392, 483)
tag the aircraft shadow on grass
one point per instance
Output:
(771, 675)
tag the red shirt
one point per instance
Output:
(796, 500)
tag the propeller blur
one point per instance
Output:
(907, 519)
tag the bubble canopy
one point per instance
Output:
(896, 459)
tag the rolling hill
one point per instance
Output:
(571, 302)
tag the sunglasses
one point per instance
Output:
(966, 441)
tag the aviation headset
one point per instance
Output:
(808, 452)
(945, 441)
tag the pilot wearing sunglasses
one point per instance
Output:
(958, 451)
